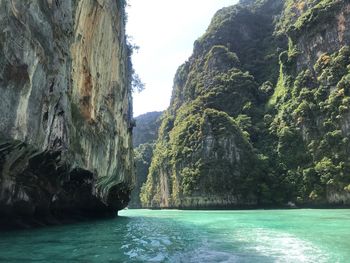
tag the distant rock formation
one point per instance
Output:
(144, 137)
(146, 129)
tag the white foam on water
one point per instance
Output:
(281, 246)
(204, 255)
(159, 258)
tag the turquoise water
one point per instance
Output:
(189, 236)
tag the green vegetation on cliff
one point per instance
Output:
(260, 112)
(144, 137)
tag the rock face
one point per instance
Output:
(312, 98)
(144, 137)
(259, 114)
(146, 129)
(142, 156)
(203, 158)
(65, 108)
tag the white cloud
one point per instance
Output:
(165, 31)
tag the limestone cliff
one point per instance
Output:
(65, 108)
(146, 129)
(312, 100)
(259, 114)
(203, 157)
(144, 136)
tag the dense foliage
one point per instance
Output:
(260, 112)
(142, 157)
(144, 136)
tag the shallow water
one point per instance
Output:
(189, 236)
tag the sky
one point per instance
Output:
(165, 31)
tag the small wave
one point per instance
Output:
(281, 246)
(204, 255)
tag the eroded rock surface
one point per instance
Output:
(65, 108)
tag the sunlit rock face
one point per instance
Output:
(65, 108)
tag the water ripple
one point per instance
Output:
(303, 236)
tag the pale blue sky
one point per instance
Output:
(165, 31)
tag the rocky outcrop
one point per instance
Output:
(259, 113)
(65, 109)
(317, 27)
(204, 158)
(216, 174)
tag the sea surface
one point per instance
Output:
(189, 236)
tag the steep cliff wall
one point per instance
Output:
(312, 101)
(204, 158)
(146, 129)
(145, 135)
(142, 157)
(65, 108)
(259, 114)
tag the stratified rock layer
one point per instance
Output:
(65, 108)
